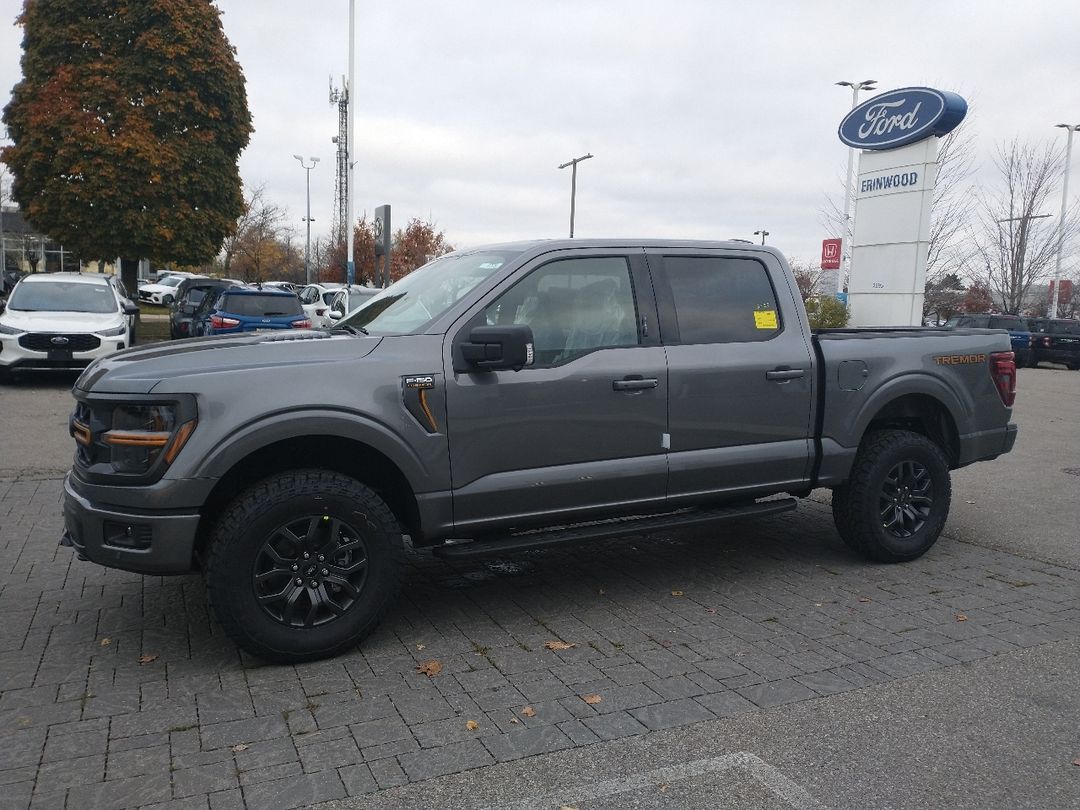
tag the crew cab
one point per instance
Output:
(517, 396)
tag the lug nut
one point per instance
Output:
(299, 581)
(306, 555)
(325, 573)
(321, 558)
(296, 568)
(313, 584)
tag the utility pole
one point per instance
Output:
(573, 186)
(350, 264)
(1070, 128)
(762, 233)
(849, 231)
(307, 219)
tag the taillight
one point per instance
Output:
(304, 324)
(1003, 373)
(220, 322)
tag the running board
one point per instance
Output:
(620, 527)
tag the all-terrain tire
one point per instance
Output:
(896, 501)
(303, 565)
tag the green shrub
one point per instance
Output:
(827, 312)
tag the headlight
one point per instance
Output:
(119, 330)
(8, 330)
(141, 433)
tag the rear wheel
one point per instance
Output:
(303, 565)
(894, 506)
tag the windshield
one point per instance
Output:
(63, 296)
(171, 281)
(425, 294)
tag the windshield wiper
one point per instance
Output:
(352, 330)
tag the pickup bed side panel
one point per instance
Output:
(951, 369)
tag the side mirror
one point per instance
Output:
(131, 309)
(490, 348)
(336, 314)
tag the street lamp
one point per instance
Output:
(845, 264)
(307, 219)
(762, 233)
(573, 186)
(1070, 128)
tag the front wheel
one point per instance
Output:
(894, 505)
(303, 565)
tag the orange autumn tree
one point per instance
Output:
(126, 128)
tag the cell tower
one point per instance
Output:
(341, 180)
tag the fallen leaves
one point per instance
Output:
(711, 611)
(420, 646)
(529, 711)
(676, 593)
(147, 659)
(236, 749)
(961, 617)
(1076, 762)
(558, 645)
(864, 598)
(430, 668)
(472, 725)
(105, 642)
(592, 700)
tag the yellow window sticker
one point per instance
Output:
(766, 319)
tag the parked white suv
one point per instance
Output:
(164, 290)
(60, 321)
(315, 299)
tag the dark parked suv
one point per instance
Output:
(1018, 328)
(248, 309)
(189, 295)
(1056, 340)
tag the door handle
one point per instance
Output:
(784, 374)
(637, 384)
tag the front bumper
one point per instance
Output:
(142, 543)
(15, 356)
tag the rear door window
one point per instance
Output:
(1005, 323)
(721, 299)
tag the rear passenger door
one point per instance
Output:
(739, 374)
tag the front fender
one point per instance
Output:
(344, 424)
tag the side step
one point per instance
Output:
(619, 527)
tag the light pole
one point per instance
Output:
(762, 233)
(307, 219)
(845, 255)
(573, 186)
(350, 264)
(1070, 128)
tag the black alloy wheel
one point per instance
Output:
(303, 565)
(310, 571)
(895, 502)
(906, 499)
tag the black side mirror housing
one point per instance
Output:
(131, 309)
(490, 348)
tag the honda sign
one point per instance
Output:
(830, 254)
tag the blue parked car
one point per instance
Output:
(232, 310)
(1018, 328)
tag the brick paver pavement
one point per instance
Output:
(120, 691)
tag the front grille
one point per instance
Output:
(43, 342)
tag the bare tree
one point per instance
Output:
(261, 244)
(807, 277)
(1015, 242)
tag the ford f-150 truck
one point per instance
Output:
(511, 397)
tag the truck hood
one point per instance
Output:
(175, 366)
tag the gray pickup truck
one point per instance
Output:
(511, 397)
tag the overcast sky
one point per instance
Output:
(707, 119)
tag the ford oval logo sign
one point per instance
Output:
(59, 340)
(900, 117)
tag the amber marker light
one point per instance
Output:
(179, 440)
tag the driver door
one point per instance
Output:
(584, 427)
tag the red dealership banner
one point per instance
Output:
(830, 254)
